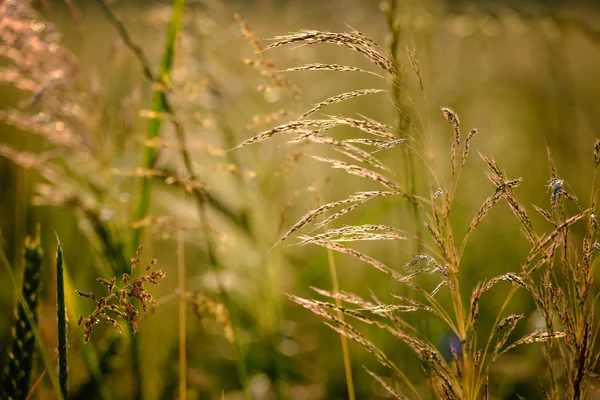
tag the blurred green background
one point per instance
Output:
(524, 73)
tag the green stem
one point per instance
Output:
(158, 107)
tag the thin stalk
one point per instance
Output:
(61, 315)
(224, 297)
(182, 301)
(394, 33)
(182, 315)
(158, 107)
(340, 315)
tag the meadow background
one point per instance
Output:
(524, 73)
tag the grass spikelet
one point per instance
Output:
(380, 144)
(547, 216)
(509, 277)
(337, 215)
(510, 322)
(16, 378)
(362, 232)
(597, 153)
(361, 172)
(414, 62)
(359, 197)
(453, 119)
(366, 125)
(202, 305)
(339, 98)
(346, 297)
(387, 386)
(61, 314)
(465, 154)
(288, 127)
(390, 144)
(330, 67)
(354, 253)
(506, 321)
(265, 66)
(354, 41)
(347, 149)
(535, 337)
(491, 201)
(548, 238)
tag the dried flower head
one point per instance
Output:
(118, 301)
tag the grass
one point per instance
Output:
(216, 161)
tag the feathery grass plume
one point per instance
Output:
(386, 385)
(390, 144)
(367, 125)
(16, 376)
(358, 197)
(354, 41)
(535, 337)
(362, 232)
(363, 173)
(465, 154)
(202, 304)
(118, 301)
(353, 334)
(510, 322)
(343, 147)
(453, 119)
(502, 188)
(338, 99)
(61, 317)
(262, 64)
(293, 126)
(547, 216)
(414, 62)
(467, 373)
(380, 144)
(356, 254)
(545, 240)
(329, 67)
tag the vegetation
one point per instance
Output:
(438, 272)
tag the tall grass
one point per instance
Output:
(439, 314)
(563, 292)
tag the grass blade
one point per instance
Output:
(61, 315)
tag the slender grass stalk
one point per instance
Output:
(340, 315)
(158, 107)
(61, 315)
(182, 301)
(394, 35)
(344, 340)
(224, 298)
